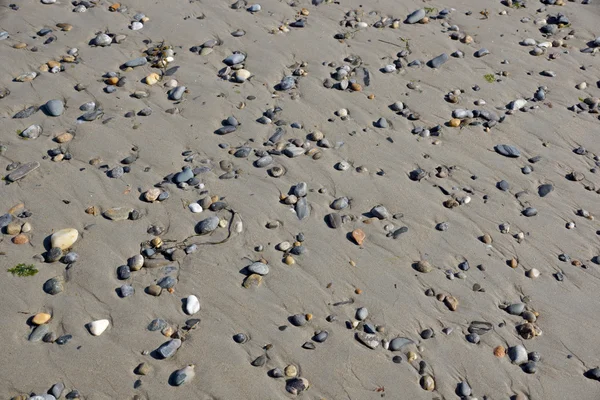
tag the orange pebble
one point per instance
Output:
(499, 351)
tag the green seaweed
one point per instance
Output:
(490, 78)
(23, 270)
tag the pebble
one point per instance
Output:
(182, 376)
(192, 305)
(22, 171)
(98, 327)
(168, 349)
(54, 285)
(517, 354)
(416, 16)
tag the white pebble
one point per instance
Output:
(98, 327)
(192, 305)
(136, 26)
(195, 208)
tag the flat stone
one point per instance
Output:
(258, 268)
(438, 61)
(207, 225)
(54, 285)
(507, 150)
(368, 339)
(168, 349)
(396, 344)
(136, 62)
(22, 171)
(118, 213)
(38, 333)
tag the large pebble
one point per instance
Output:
(416, 16)
(55, 107)
(64, 238)
(192, 305)
(168, 349)
(98, 327)
(258, 268)
(183, 375)
(207, 225)
(22, 171)
(517, 354)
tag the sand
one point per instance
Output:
(341, 368)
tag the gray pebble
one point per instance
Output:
(362, 313)
(258, 268)
(507, 150)
(438, 61)
(136, 62)
(168, 349)
(54, 285)
(38, 333)
(530, 212)
(207, 225)
(416, 16)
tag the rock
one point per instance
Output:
(416, 16)
(302, 208)
(252, 280)
(57, 389)
(296, 386)
(168, 349)
(53, 255)
(192, 305)
(54, 285)
(368, 339)
(301, 189)
(515, 309)
(176, 93)
(517, 354)
(241, 75)
(22, 171)
(258, 268)
(126, 290)
(593, 373)
(320, 336)
(102, 39)
(507, 150)
(183, 375)
(136, 62)
(98, 327)
(298, 320)
(423, 266)
(38, 333)
(41, 318)
(236, 58)
(118, 213)
(207, 225)
(451, 302)
(143, 369)
(530, 212)
(54, 108)
(333, 220)
(545, 189)
(438, 61)
(517, 104)
(154, 290)
(32, 132)
(362, 314)
(463, 389)
(240, 338)
(64, 238)
(380, 212)
(359, 236)
(427, 383)
(396, 344)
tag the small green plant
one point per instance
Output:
(581, 99)
(430, 10)
(23, 270)
(490, 78)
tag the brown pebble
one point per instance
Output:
(113, 80)
(358, 291)
(514, 263)
(64, 137)
(52, 64)
(41, 318)
(451, 302)
(20, 45)
(355, 87)
(20, 239)
(454, 122)
(487, 239)
(64, 27)
(359, 236)
(93, 210)
(289, 260)
(114, 7)
(499, 351)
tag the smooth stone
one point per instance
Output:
(136, 62)
(473, 338)
(517, 354)
(321, 336)
(293, 151)
(416, 16)
(123, 272)
(207, 225)
(184, 175)
(55, 107)
(381, 123)
(362, 314)
(64, 238)
(192, 305)
(545, 189)
(57, 389)
(38, 333)
(593, 373)
(503, 185)
(529, 367)
(296, 386)
(507, 150)
(41, 318)
(118, 213)
(22, 171)
(195, 208)
(438, 61)
(380, 212)
(136, 262)
(157, 325)
(240, 338)
(302, 208)
(298, 320)
(234, 59)
(177, 93)
(102, 39)
(183, 375)
(264, 161)
(396, 344)
(463, 389)
(481, 52)
(98, 327)
(53, 255)
(168, 349)
(54, 285)
(530, 212)
(517, 104)
(258, 268)
(167, 282)
(333, 220)
(515, 309)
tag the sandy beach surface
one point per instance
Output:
(315, 199)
